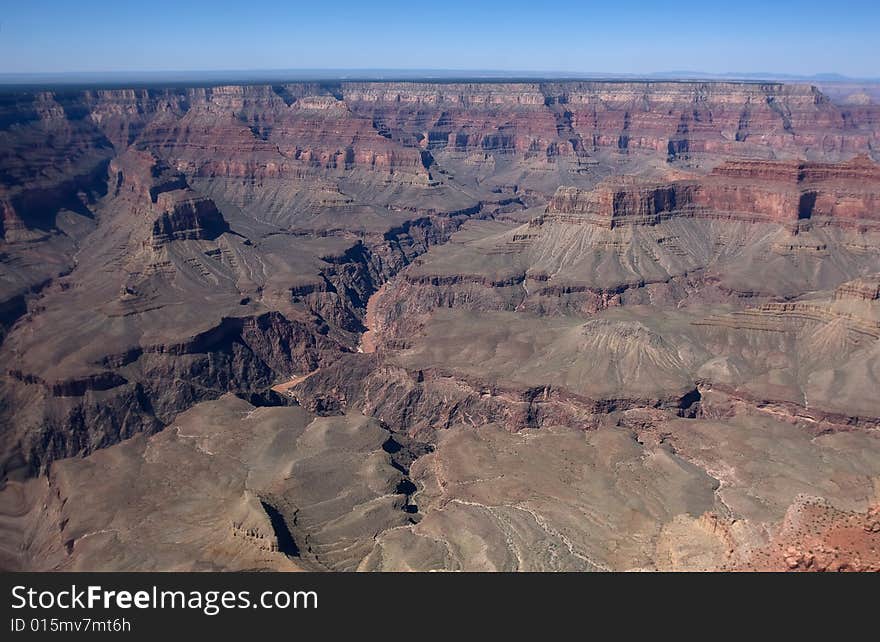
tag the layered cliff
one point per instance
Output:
(846, 194)
(670, 118)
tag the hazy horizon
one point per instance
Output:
(121, 79)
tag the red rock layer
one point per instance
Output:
(845, 193)
(865, 288)
(818, 537)
(257, 132)
(146, 187)
(54, 144)
(671, 118)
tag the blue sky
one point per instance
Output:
(618, 36)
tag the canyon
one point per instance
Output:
(384, 326)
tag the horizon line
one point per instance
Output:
(143, 79)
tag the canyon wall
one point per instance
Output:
(786, 192)
(494, 283)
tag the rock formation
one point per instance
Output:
(424, 326)
(793, 193)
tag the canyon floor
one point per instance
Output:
(375, 326)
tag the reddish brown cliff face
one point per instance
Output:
(621, 201)
(256, 133)
(144, 185)
(670, 118)
(263, 141)
(846, 194)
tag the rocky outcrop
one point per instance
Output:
(184, 216)
(619, 201)
(862, 289)
(145, 186)
(815, 536)
(846, 194)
